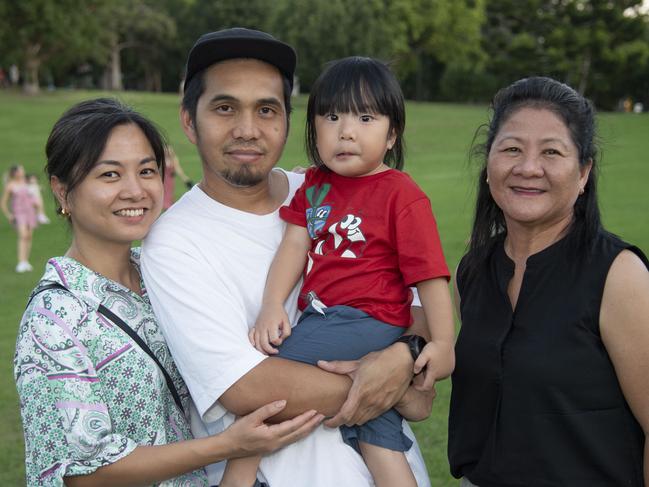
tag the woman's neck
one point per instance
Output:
(111, 261)
(523, 241)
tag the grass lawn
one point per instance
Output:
(438, 140)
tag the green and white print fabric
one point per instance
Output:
(88, 394)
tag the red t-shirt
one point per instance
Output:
(373, 237)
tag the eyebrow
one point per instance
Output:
(261, 101)
(110, 162)
(543, 141)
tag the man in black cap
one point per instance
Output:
(206, 259)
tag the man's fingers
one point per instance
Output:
(344, 367)
(346, 413)
(429, 381)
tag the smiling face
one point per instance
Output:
(533, 170)
(241, 123)
(352, 144)
(121, 197)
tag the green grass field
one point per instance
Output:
(438, 139)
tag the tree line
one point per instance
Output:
(456, 50)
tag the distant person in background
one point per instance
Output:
(101, 400)
(14, 74)
(35, 190)
(20, 208)
(550, 386)
(173, 168)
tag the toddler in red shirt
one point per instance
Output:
(361, 233)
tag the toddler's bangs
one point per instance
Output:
(350, 91)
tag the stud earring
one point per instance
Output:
(65, 213)
(487, 180)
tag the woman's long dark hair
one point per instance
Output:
(578, 115)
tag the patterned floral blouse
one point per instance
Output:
(88, 394)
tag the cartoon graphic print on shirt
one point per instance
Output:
(316, 215)
(344, 239)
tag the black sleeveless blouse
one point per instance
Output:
(535, 399)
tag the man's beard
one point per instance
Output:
(242, 177)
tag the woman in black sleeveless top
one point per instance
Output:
(551, 385)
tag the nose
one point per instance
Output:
(133, 188)
(347, 128)
(529, 165)
(246, 126)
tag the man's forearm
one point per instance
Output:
(303, 386)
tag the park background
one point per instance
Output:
(450, 56)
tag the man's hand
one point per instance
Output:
(379, 381)
(271, 328)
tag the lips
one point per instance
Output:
(527, 190)
(245, 154)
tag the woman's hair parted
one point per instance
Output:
(578, 115)
(357, 85)
(79, 137)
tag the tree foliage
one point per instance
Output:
(42, 31)
(440, 49)
(597, 46)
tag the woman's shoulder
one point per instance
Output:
(61, 292)
(607, 243)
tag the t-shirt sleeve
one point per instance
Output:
(67, 424)
(295, 211)
(203, 322)
(418, 244)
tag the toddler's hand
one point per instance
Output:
(271, 328)
(426, 363)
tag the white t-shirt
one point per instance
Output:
(205, 267)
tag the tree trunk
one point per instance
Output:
(32, 65)
(115, 70)
(115, 65)
(585, 72)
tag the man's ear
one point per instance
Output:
(59, 190)
(187, 124)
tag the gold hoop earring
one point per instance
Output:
(65, 213)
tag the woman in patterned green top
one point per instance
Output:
(96, 408)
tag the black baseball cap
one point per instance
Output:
(239, 42)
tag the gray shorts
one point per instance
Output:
(346, 333)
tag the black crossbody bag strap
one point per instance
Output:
(130, 332)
